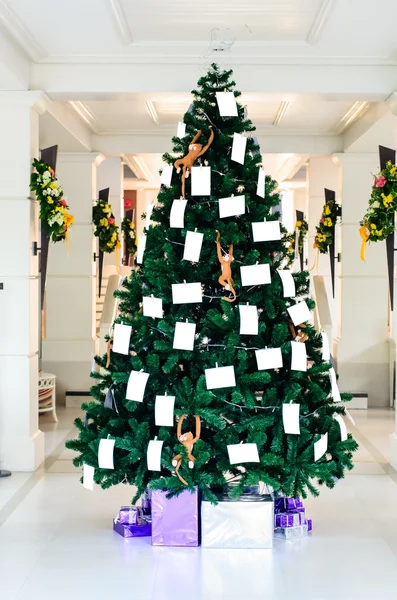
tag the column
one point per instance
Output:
(362, 348)
(322, 172)
(21, 441)
(70, 333)
(110, 175)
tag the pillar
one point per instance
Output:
(21, 441)
(70, 332)
(322, 172)
(362, 348)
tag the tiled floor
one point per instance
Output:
(56, 540)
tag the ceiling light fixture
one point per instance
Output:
(282, 109)
(152, 112)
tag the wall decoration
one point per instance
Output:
(130, 241)
(325, 230)
(106, 230)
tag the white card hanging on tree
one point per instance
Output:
(269, 358)
(255, 275)
(299, 313)
(342, 427)
(288, 283)
(242, 453)
(149, 210)
(181, 131)
(154, 450)
(186, 293)
(164, 411)
(193, 243)
(291, 418)
(105, 454)
(166, 175)
(326, 352)
(88, 477)
(220, 377)
(184, 336)
(121, 338)
(141, 248)
(260, 186)
(266, 231)
(238, 148)
(299, 357)
(152, 307)
(231, 207)
(201, 181)
(177, 214)
(136, 385)
(248, 319)
(320, 447)
(227, 104)
(334, 386)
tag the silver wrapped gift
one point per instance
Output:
(291, 533)
(247, 522)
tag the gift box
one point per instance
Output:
(175, 521)
(283, 503)
(146, 502)
(289, 519)
(291, 533)
(246, 522)
(131, 523)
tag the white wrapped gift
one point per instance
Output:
(247, 522)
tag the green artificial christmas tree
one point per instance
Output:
(258, 402)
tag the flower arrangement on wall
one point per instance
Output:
(302, 227)
(378, 221)
(106, 229)
(325, 230)
(54, 215)
(128, 229)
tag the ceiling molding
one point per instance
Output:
(138, 166)
(320, 22)
(121, 24)
(152, 112)
(86, 115)
(282, 109)
(21, 35)
(356, 111)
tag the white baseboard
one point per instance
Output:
(358, 401)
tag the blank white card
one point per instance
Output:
(154, 450)
(299, 313)
(255, 275)
(299, 357)
(152, 307)
(186, 293)
(105, 454)
(231, 207)
(260, 186)
(342, 427)
(269, 358)
(320, 447)
(266, 231)
(184, 336)
(242, 453)
(238, 148)
(166, 175)
(121, 338)
(164, 411)
(221, 377)
(136, 385)
(141, 248)
(193, 243)
(288, 283)
(88, 477)
(226, 104)
(248, 319)
(177, 215)
(291, 418)
(201, 181)
(334, 386)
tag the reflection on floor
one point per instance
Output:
(56, 540)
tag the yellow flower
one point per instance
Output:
(114, 236)
(393, 170)
(132, 226)
(109, 244)
(69, 219)
(298, 224)
(388, 163)
(321, 237)
(387, 200)
(328, 222)
(50, 201)
(373, 226)
(53, 185)
(327, 210)
(104, 222)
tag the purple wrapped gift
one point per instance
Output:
(175, 521)
(129, 531)
(309, 524)
(129, 515)
(290, 519)
(283, 503)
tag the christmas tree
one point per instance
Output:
(276, 379)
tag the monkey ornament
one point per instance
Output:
(225, 278)
(299, 336)
(195, 150)
(188, 441)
